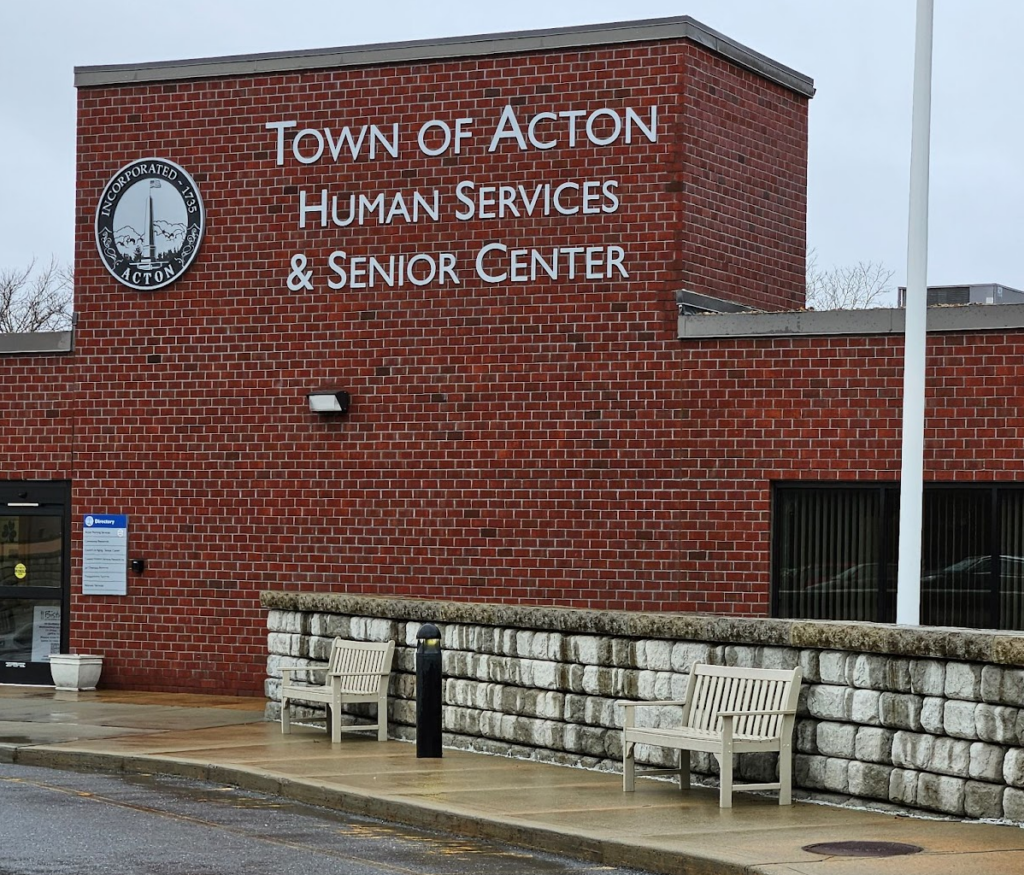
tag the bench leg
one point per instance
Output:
(628, 768)
(382, 719)
(684, 770)
(334, 722)
(786, 775)
(725, 759)
(725, 785)
(285, 717)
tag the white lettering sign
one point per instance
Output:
(468, 200)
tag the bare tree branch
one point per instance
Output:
(36, 300)
(858, 287)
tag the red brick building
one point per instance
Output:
(486, 243)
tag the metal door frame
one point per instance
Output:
(39, 498)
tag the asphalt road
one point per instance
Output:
(54, 822)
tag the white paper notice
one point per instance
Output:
(45, 632)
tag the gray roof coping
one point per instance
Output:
(37, 343)
(515, 42)
(809, 323)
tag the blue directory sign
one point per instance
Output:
(105, 554)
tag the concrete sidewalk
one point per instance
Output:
(570, 811)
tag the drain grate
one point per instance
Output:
(862, 849)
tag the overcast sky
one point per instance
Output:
(858, 52)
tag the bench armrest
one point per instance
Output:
(729, 719)
(767, 712)
(340, 674)
(286, 672)
(627, 703)
(630, 706)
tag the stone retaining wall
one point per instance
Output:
(896, 717)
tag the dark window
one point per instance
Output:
(835, 551)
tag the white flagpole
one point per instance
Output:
(908, 584)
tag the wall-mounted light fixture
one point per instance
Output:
(329, 401)
(138, 565)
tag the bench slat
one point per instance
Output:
(356, 666)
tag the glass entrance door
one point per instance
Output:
(34, 578)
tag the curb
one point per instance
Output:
(424, 815)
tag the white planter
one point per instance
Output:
(75, 671)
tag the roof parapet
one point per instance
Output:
(809, 323)
(37, 343)
(515, 42)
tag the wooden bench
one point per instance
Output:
(726, 711)
(357, 671)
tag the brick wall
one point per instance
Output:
(742, 168)
(38, 409)
(826, 409)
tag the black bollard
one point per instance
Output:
(428, 691)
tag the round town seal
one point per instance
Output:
(149, 223)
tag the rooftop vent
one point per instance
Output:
(984, 293)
